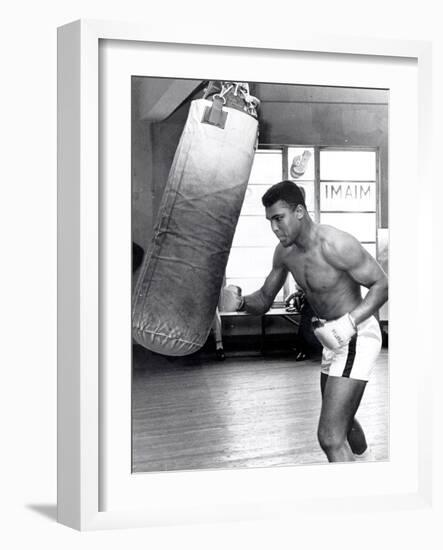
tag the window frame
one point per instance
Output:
(375, 150)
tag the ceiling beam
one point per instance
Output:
(159, 97)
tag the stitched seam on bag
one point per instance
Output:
(168, 337)
(149, 264)
(153, 248)
(161, 226)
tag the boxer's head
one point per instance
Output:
(286, 191)
(285, 209)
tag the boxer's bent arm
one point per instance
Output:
(374, 278)
(347, 254)
(260, 301)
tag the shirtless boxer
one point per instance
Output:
(329, 265)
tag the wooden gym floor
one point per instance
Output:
(200, 413)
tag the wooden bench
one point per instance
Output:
(291, 317)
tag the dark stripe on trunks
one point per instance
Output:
(351, 356)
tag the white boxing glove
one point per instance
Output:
(335, 334)
(231, 298)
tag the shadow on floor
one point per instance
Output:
(48, 511)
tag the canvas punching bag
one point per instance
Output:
(178, 288)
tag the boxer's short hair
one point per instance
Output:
(286, 191)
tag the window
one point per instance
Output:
(254, 243)
(301, 169)
(340, 189)
(348, 193)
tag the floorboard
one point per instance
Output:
(200, 413)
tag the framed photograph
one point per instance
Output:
(151, 434)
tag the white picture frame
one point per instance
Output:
(82, 299)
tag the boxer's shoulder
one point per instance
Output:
(330, 234)
(336, 241)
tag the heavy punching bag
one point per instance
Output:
(178, 288)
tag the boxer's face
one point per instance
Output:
(285, 222)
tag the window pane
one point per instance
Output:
(292, 287)
(254, 231)
(253, 246)
(267, 167)
(347, 165)
(348, 196)
(249, 262)
(301, 163)
(371, 248)
(308, 186)
(252, 204)
(362, 226)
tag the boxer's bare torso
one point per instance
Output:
(330, 290)
(330, 266)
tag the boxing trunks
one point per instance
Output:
(356, 359)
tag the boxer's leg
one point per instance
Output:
(341, 399)
(355, 436)
(367, 351)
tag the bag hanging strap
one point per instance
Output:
(229, 94)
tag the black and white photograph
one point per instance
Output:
(260, 239)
